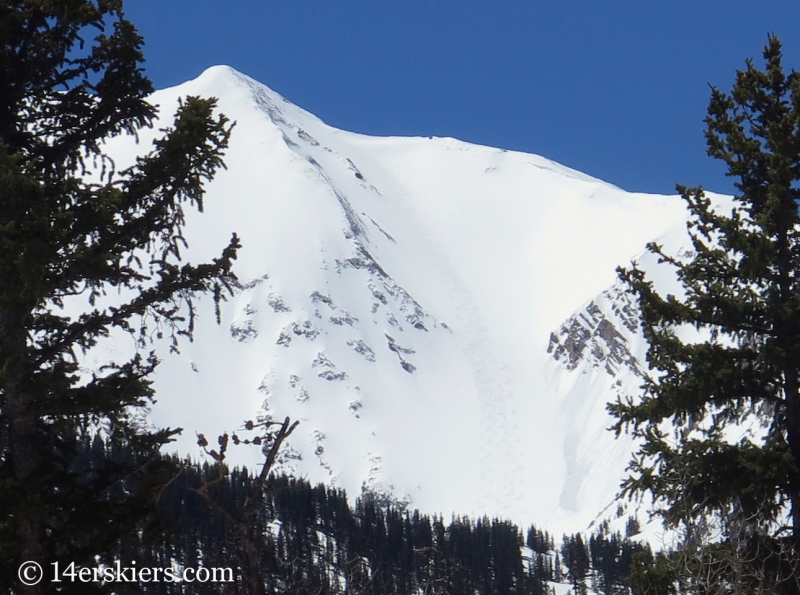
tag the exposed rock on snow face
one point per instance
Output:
(360, 347)
(398, 296)
(596, 335)
(328, 369)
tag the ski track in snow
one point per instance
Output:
(501, 452)
(501, 465)
(501, 461)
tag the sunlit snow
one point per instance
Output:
(399, 298)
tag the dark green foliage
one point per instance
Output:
(654, 575)
(539, 541)
(632, 527)
(314, 541)
(575, 559)
(733, 492)
(108, 252)
(612, 558)
(606, 564)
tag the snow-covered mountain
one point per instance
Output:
(443, 318)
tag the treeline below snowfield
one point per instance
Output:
(310, 540)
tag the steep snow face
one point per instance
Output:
(437, 314)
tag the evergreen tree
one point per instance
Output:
(719, 419)
(575, 559)
(70, 78)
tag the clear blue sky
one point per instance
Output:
(615, 88)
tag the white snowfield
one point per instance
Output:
(443, 318)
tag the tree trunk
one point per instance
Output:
(25, 459)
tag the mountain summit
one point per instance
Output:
(442, 317)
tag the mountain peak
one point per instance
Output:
(240, 97)
(398, 297)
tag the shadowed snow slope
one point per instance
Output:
(442, 317)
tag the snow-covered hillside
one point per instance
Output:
(442, 317)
